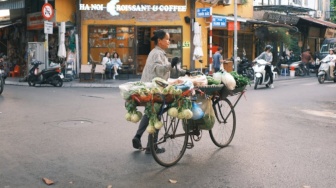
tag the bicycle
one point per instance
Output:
(174, 137)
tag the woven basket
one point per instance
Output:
(225, 92)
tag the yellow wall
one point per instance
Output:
(131, 22)
(243, 11)
(65, 10)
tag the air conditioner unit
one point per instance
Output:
(224, 2)
(318, 14)
(210, 1)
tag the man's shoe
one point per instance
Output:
(158, 150)
(267, 85)
(271, 86)
(136, 143)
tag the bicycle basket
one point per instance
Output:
(225, 92)
(211, 89)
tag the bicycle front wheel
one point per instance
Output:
(2, 83)
(225, 125)
(173, 138)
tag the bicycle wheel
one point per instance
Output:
(225, 125)
(173, 138)
(2, 83)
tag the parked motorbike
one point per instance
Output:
(51, 76)
(324, 73)
(299, 67)
(245, 68)
(260, 75)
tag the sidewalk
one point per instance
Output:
(110, 83)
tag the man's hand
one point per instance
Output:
(174, 62)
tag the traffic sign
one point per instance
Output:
(47, 11)
(203, 12)
(48, 27)
(218, 21)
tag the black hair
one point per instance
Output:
(115, 53)
(158, 34)
(219, 48)
(106, 53)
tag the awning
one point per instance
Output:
(271, 24)
(13, 4)
(319, 22)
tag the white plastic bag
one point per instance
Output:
(126, 88)
(228, 80)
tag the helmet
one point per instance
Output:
(268, 47)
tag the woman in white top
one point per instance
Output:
(106, 62)
(116, 63)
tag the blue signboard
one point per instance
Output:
(203, 12)
(218, 21)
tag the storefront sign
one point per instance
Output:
(48, 27)
(114, 8)
(218, 21)
(203, 12)
(36, 21)
(281, 18)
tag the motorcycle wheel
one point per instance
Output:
(31, 81)
(321, 79)
(250, 74)
(2, 83)
(58, 82)
(257, 80)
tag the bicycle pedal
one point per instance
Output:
(190, 145)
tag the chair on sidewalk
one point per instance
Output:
(284, 69)
(15, 72)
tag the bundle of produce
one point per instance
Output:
(196, 78)
(241, 81)
(130, 88)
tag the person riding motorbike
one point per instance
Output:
(268, 57)
(306, 59)
(331, 59)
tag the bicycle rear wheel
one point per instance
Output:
(225, 125)
(173, 138)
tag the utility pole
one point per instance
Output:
(46, 47)
(235, 46)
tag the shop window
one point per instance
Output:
(130, 42)
(111, 39)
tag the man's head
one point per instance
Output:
(220, 49)
(331, 50)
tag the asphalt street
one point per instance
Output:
(78, 137)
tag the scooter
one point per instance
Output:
(51, 76)
(260, 75)
(324, 73)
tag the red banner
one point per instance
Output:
(231, 26)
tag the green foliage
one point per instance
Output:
(279, 34)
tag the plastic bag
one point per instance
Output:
(228, 81)
(197, 111)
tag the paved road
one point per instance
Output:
(78, 137)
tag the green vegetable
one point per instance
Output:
(241, 81)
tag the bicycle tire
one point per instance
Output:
(2, 83)
(173, 138)
(224, 129)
